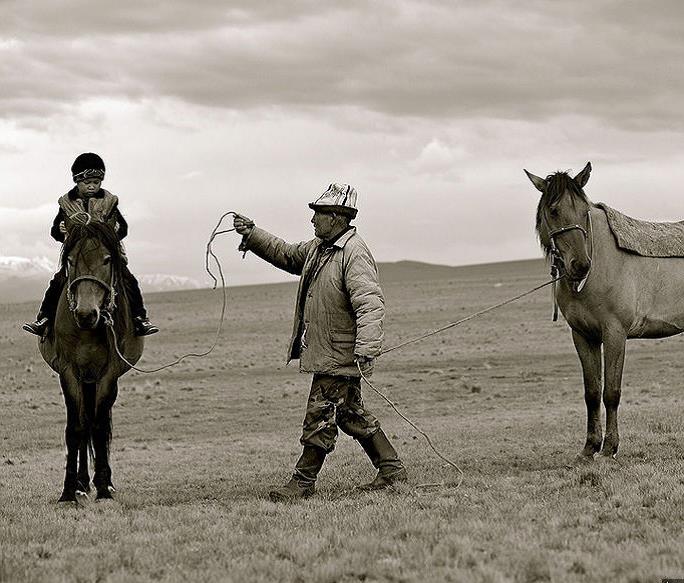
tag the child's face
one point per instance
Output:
(88, 186)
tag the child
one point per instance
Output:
(88, 171)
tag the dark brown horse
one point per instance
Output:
(607, 296)
(81, 351)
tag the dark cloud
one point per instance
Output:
(532, 60)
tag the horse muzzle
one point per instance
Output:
(578, 273)
(87, 319)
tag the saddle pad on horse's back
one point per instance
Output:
(644, 237)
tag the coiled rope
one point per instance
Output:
(209, 254)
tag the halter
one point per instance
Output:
(108, 287)
(85, 218)
(557, 259)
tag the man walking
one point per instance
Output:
(338, 323)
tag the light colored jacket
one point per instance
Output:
(344, 308)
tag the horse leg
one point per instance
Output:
(614, 355)
(73, 435)
(88, 391)
(589, 352)
(83, 475)
(102, 435)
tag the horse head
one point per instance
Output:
(92, 258)
(563, 220)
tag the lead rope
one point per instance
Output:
(209, 253)
(419, 430)
(439, 454)
(474, 315)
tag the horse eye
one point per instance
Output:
(107, 260)
(553, 212)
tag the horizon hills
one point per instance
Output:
(23, 279)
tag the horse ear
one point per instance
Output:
(539, 183)
(583, 177)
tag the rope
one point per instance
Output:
(471, 316)
(209, 253)
(439, 454)
(418, 429)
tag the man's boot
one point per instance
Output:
(385, 459)
(302, 483)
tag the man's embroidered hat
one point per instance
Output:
(87, 165)
(338, 198)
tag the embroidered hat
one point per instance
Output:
(339, 198)
(87, 165)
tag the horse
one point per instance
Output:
(607, 295)
(80, 349)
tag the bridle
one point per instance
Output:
(108, 287)
(85, 218)
(557, 263)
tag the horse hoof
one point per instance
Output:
(580, 460)
(105, 494)
(82, 496)
(608, 458)
(67, 497)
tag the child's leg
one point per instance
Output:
(134, 294)
(143, 327)
(48, 308)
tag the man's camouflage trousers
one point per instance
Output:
(335, 401)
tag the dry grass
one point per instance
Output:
(196, 449)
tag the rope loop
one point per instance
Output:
(109, 322)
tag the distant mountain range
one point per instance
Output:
(419, 271)
(23, 278)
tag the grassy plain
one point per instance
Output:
(195, 450)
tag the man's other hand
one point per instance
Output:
(365, 363)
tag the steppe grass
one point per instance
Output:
(196, 449)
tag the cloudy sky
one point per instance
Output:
(430, 108)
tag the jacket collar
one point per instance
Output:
(340, 241)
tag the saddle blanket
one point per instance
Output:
(644, 237)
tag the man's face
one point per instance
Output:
(89, 186)
(325, 224)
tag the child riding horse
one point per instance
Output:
(89, 202)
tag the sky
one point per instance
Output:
(430, 108)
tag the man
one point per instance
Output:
(338, 323)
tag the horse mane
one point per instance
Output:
(557, 184)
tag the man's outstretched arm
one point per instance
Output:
(289, 257)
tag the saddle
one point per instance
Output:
(645, 238)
